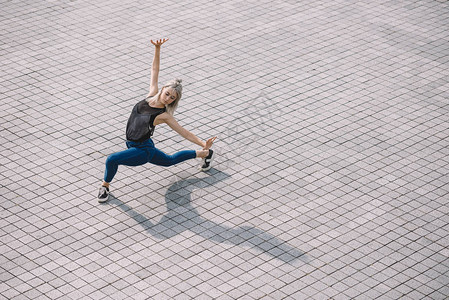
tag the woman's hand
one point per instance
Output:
(158, 43)
(209, 143)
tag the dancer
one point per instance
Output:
(157, 108)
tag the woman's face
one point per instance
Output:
(168, 95)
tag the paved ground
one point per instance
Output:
(332, 179)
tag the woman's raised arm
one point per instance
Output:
(155, 66)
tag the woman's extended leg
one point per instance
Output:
(162, 159)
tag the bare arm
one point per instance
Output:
(187, 134)
(155, 67)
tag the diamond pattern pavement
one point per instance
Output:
(331, 181)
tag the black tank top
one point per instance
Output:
(140, 125)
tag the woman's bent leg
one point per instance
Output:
(162, 159)
(129, 157)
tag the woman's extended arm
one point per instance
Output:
(187, 134)
(155, 66)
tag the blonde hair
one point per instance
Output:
(177, 86)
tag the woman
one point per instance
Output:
(157, 108)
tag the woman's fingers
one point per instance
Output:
(158, 42)
(210, 141)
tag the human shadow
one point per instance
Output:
(182, 216)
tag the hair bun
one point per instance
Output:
(178, 81)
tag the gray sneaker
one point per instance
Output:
(103, 194)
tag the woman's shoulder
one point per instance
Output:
(140, 103)
(163, 117)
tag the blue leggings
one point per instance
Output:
(139, 153)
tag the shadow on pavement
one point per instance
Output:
(182, 216)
